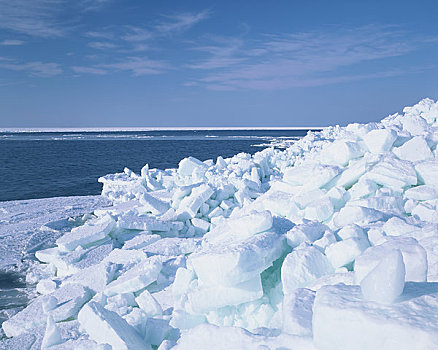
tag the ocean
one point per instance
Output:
(53, 164)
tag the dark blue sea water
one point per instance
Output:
(42, 164)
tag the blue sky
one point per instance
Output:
(91, 63)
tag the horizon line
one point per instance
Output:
(171, 128)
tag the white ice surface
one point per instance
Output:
(215, 254)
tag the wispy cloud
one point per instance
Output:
(100, 35)
(222, 53)
(11, 42)
(94, 5)
(180, 22)
(89, 70)
(35, 18)
(37, 69)
(303, 59)
(137, 66)
(134, 34)
(101, 45)
(167, 25)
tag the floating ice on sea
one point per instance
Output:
(329, 244)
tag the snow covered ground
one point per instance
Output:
(329, 244)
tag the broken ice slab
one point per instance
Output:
(133, 221)
(228, 264)
(136, 278)
(91, 232)
(68, 301)
(107, 327)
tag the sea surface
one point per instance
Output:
(52, 164)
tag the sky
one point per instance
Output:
(170, 63)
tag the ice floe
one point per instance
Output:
(331, 243)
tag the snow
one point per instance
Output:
(342, 319)
(329, 244)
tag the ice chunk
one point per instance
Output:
(415, 149)
(421, 193)
(201, 226)
(183, 320)
(310, 175)
(344, 252)
(229, 264)
(427, 172)
(94, 277)
(426, 212)
(320, 210)
(396, 226)
(302, 266)
(190, 205)
(46, 286)
(380, 140)
(385, 282)
(430, 244)
(132, 221)
(356, 215)
(327, 239)
(297, 312)
(202, 299)
(354, 172)
(415, 125)
(136, 278)
(362, 189)
(188, 165)
(172, 246)
(414, 257)
(142, 240)
(106, 327)
(240, 228)
(89, 233)
(148, 304)
(426, 108)
(52, 336)
(340, 152)
(306, 197)
(157, 329)
(152, 204)
(308, 232)
(393, 173)
(343, 320)
(126, 258)
(335, 278)
(69, 300)
(351, 231)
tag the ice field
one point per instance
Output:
(329, 244)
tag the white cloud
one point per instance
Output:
(181, 22)
(137, 66)
(99, 45)
(11, 42)
(38, 69)
(89, 70)
(100, 35)
(303, 59)
(94, 5)
(135, 34)
(171, 24)
(35, 17)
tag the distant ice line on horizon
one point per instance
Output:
(121, 129)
